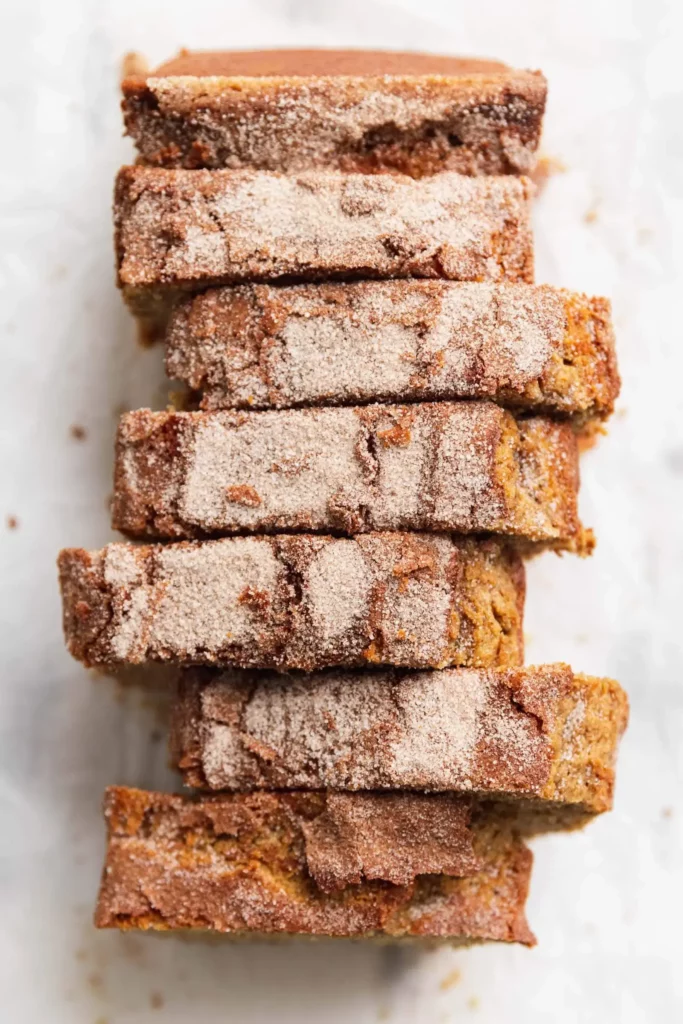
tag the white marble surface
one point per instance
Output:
(607, 904)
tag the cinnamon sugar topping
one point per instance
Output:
(196, 228)
(295, 602)
(464, 467)
(258, 346)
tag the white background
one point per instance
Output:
(607, 904)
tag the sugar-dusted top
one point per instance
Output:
(183, 227)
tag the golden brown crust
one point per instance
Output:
(303, 602)
(364, 111)
(465, 467)
(239, 865)
(187, 230)
(542, 734)
(538, 348)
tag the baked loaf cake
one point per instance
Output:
(289, 602)
(288, 110)
(540, 348)
(464, 467)
(179, 230)
(540, 735)
(396, 866)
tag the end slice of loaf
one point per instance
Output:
(284, 110)
(535, 348)
(392, 867)
(289, 602)
(543, 738)
(187, 230)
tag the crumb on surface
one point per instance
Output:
(452, 979)
(667, 812)
(590, 216)
(546, 167)
(12, 523)
(96, 981)
(473, 1003)
(78, 432)
(156, 1000)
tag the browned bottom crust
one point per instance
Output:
(313, 864)
(541, 734)
(187, 230)
(320, 62)
(461, 467)
(302, 602)
(356, 111)
(540, 349)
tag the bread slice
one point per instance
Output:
(538, 349)
(391, 866)
(296, 602)
(289, 110)
(180, 230)
(465, 467)
(543, 738)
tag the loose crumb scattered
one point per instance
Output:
(473, 1003)
(12, 523)
(546, 167)
(156, 1000)
(96, 981)
(667, 812)
(78, 432)
(452, 979)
